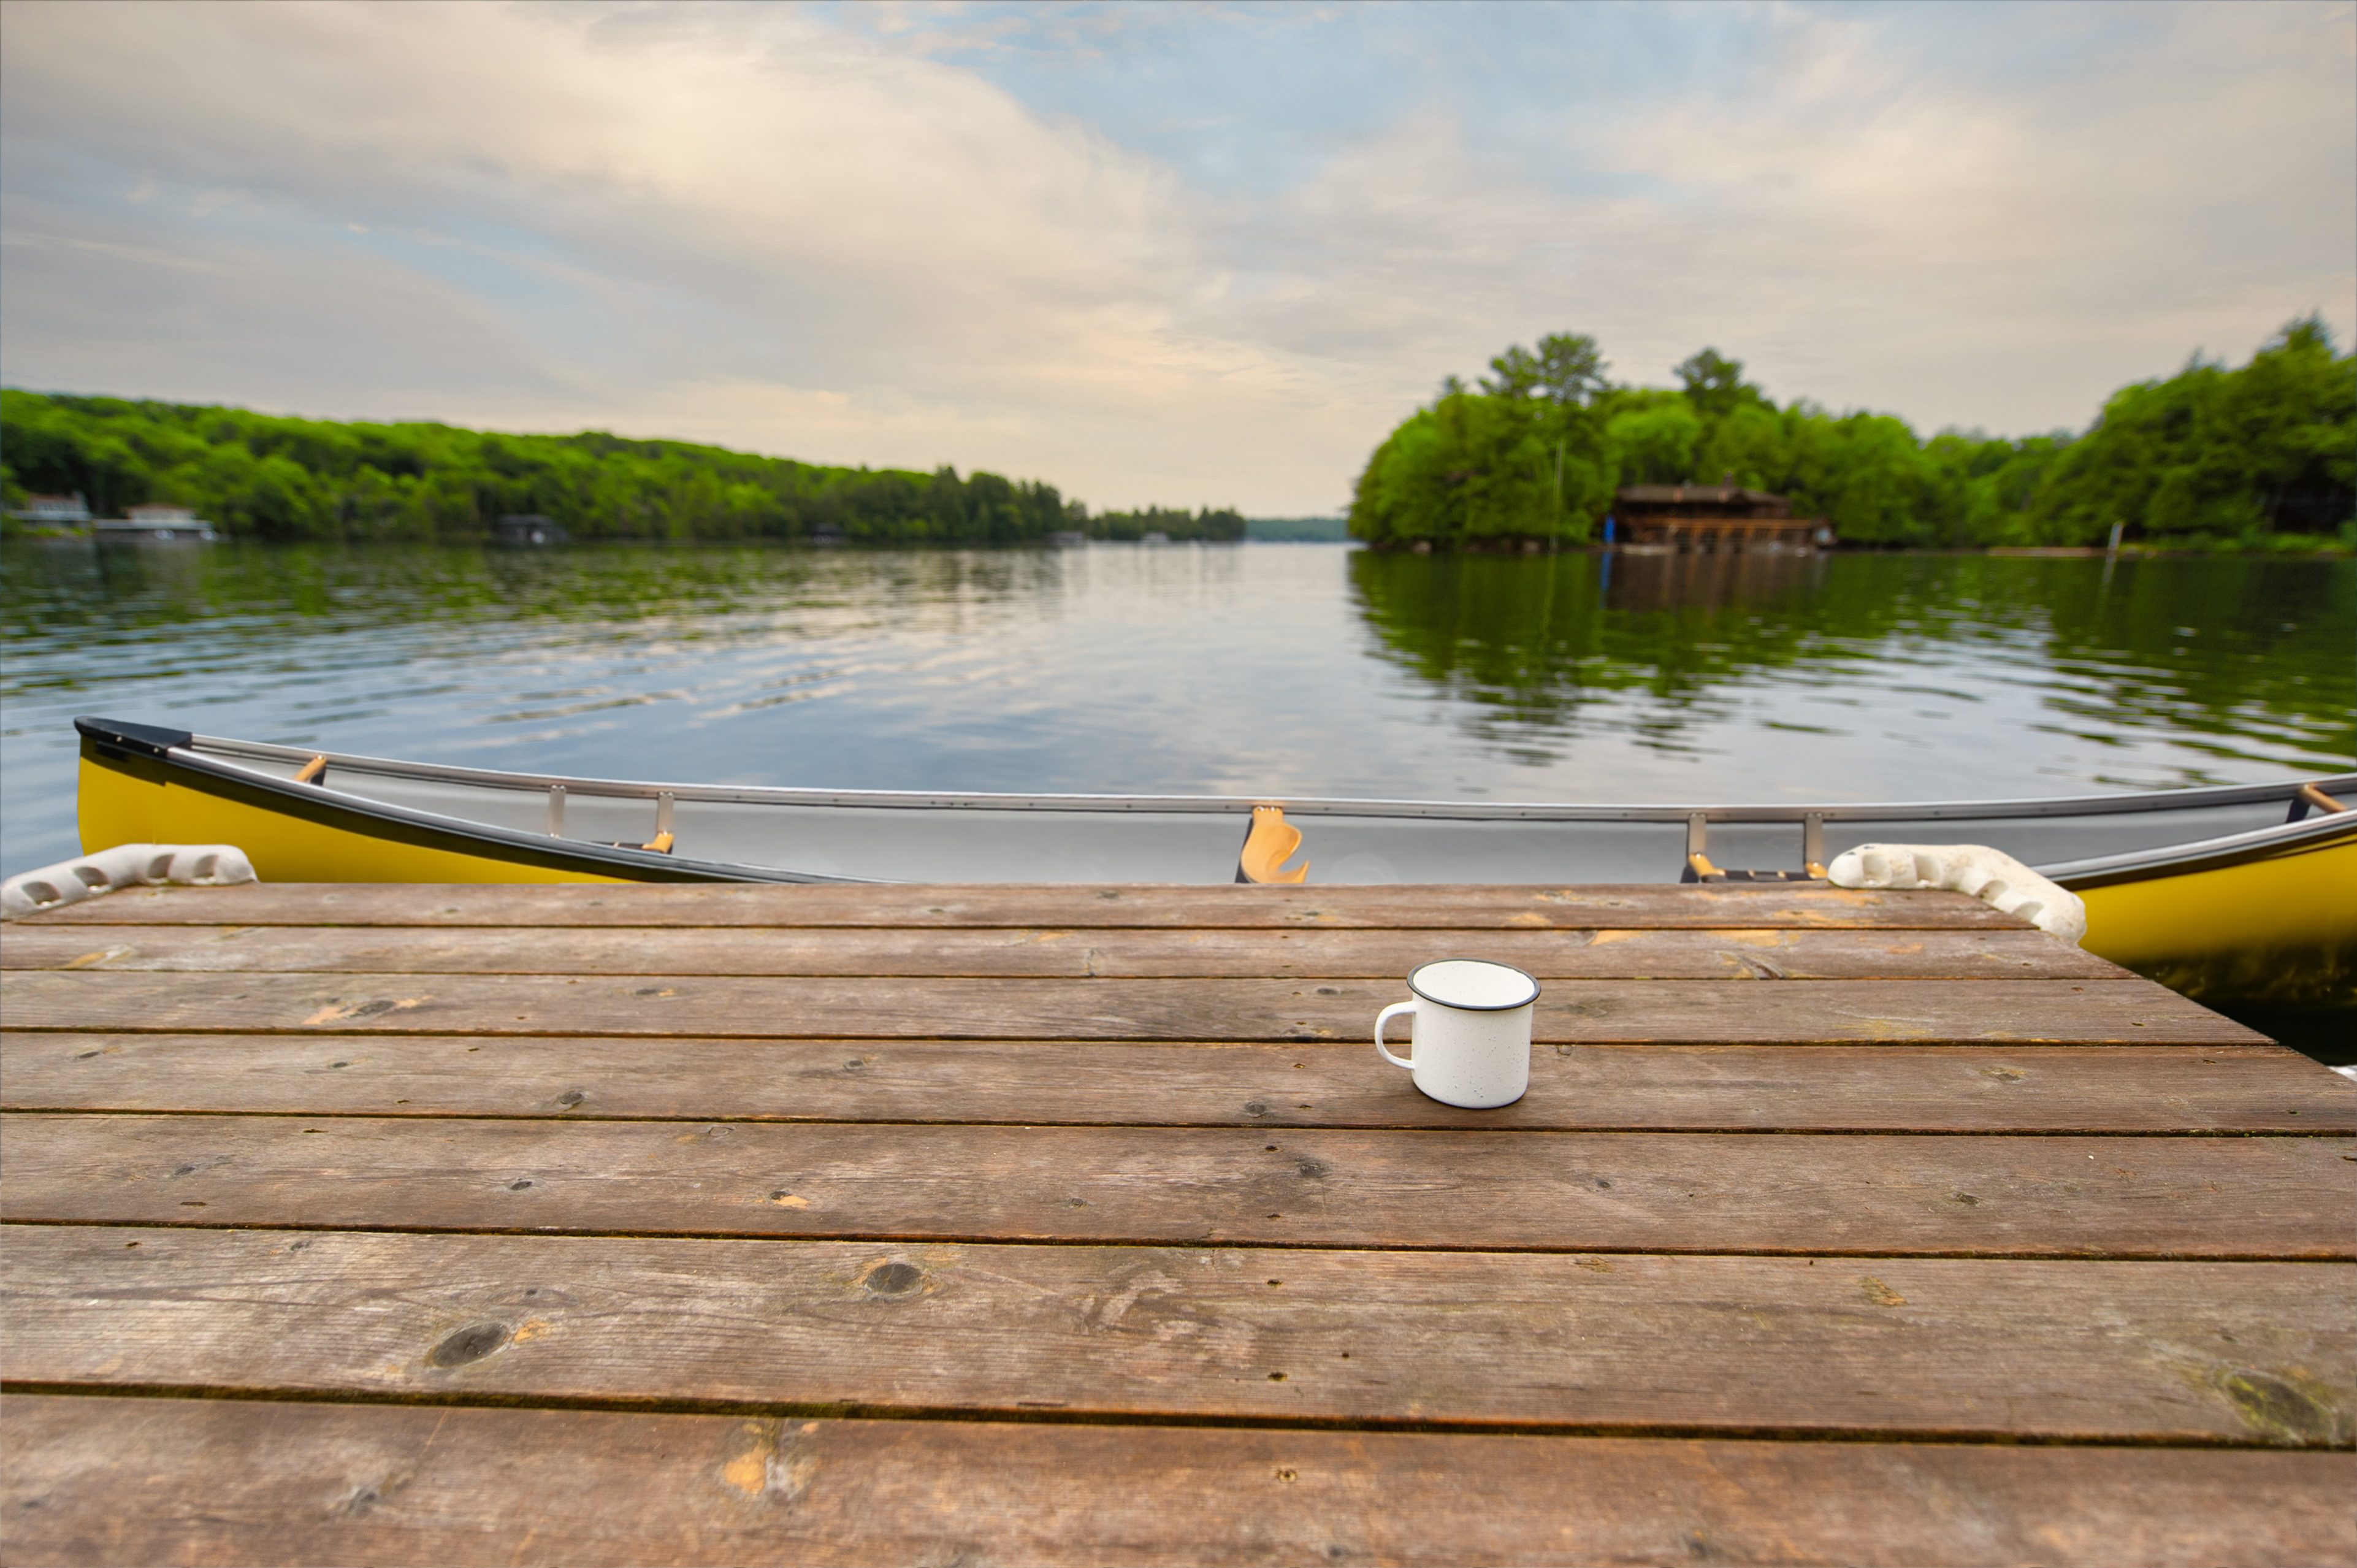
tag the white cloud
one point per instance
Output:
(770, 206)
(2005, 252)
(757, 226)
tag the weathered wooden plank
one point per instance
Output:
(266, 1483)
(1480, 1191)
(1048, 905)
(2129, 1011)
(2252, 1353)
(1763, 953)
(1827, 1088)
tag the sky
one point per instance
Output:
(1186, 254)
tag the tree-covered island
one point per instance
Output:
(267, 477)
(2260, 456)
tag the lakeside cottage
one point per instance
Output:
(54, 511)
(1721, 516)
(155, 520)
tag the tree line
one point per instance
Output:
(1222, 526)
(268, 476)
(2258, 455)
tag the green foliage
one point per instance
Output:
(1864, 473)
(2264, 456)
(1714, 385)
(2216, 454)
(1511, 466)
(272, 478)
(1222, 526)
(1655, 440)
(1484, 471)
(1751, 444)
(1568, 370)
(1297, 530)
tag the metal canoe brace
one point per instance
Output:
(1699, 868)
(665, 808)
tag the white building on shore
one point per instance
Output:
(157, 519)
(54, 511)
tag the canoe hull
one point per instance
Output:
(124, 802)
(2278, 929)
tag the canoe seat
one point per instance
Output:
(660, 844)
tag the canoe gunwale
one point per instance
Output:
(2204, 854)
(888, 800)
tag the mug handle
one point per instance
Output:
(1386, 1017)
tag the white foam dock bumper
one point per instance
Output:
(125, 865)
(1990, 875)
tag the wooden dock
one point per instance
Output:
(810, 1225)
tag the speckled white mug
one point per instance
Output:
(1472, 1032)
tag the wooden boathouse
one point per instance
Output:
(1721, 516)
(724, 1223)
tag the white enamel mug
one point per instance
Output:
(1471, 1031)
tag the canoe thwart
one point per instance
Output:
(2309, 795)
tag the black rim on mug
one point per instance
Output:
(1473, 1006)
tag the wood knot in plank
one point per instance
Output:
(469, 1345)
(2277, 1409)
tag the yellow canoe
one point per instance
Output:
(2241, 892)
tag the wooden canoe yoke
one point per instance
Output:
(1266, 847)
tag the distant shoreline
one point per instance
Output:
(2323, 551)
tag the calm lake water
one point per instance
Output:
(1255, 668)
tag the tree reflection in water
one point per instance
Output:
(2247, 658)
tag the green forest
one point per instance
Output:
(266, 476)
(2259, 457)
